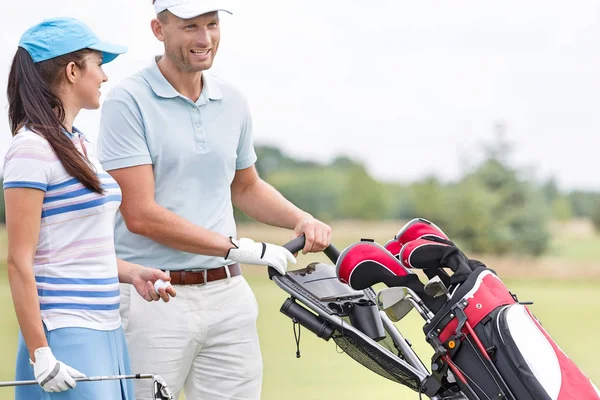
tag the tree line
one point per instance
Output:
(494, 207)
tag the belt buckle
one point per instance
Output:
(205, 276)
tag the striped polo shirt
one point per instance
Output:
(75, 263)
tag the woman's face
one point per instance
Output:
(87, 87)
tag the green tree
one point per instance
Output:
(400, 201)
(583, 203)
(429, 196)
(496, 209)
(362, 197)
(561, 208)
(595, 215)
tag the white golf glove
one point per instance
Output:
(247, 251)
(51, 374)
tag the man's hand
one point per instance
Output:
(317, 234)
(51, 374)
(144, 279)
(246, 251)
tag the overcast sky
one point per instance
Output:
(411, 88)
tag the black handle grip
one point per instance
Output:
(297, 244)
(332, 253)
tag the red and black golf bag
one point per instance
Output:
(485, 340)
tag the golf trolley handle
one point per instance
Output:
(297, 244)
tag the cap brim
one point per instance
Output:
(192, 10)
(109, 51)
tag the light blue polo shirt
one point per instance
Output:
(194, 148)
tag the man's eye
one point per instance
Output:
(189, 27)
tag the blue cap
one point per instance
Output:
(59, 36)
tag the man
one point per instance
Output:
(179, 143)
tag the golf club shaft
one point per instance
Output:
(86, 379)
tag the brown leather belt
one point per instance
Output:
(201, 277)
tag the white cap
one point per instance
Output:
(186, 9)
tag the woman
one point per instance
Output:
(60, 208)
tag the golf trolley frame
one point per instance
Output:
(330, 309)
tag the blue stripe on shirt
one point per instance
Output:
(76, 293)
(26, 184)
(81, 206)
(76, 306)
(77, 281)
(61, 185)
(76, 193)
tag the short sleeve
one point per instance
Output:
(246, 155)
(122, 139)
(28, 163)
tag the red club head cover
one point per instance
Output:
(393, 247)
(417, 228)
(423, 253)
(364, 264)
(413, 230)
(432, 252)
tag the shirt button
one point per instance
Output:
(194, 109)
(198, 129)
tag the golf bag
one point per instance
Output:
(486, 344)
(491, 343)
(494, 345)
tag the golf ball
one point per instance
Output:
(160, 284)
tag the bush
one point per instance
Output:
(595, 215)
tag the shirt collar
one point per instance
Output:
(162, 88)
(76, 133)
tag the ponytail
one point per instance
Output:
(33, 104)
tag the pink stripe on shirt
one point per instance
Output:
(48, 157)
(93, 253)
(104, 240)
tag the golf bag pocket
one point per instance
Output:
(365, 317)
(526, 351)
(495, 347)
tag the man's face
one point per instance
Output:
(192, 43)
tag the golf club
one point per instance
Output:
(418, 303)
(395, 299)
(160, 390)
(436, 288)
(392, 302)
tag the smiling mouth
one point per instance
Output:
(200, 53)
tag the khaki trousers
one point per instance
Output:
(204, 341)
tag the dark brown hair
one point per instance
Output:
(33, 103)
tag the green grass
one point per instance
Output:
(575, 240)
(577, 248)
(566, 309)
(8, 335)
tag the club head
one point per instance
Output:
(160, 390)
(399, 310)
(394, 301)
(436, 288)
